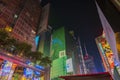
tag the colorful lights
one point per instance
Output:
(27, 71)
(37, 38)
(6, 68)
(39, 67)
(8, 28)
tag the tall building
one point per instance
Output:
(62, 46)
(22, 16)
(9, 11)
(44, 35)
(58, 54)
(44, 43)
(64, 53)
(73, 51)
(89, 62)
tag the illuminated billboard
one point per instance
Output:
(28, 73)
(58, 54)
(58, 43)
(106, 51)
(69, 65)
(58, 68)
(38, 67)
(6, 67)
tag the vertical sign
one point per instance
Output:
(69, 65)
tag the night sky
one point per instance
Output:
(82, 17)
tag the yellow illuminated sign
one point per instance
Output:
(108, 52)
(8, 28)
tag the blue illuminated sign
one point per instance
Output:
(27, 71)
(6, 67)
(37, 40)
(38, 67)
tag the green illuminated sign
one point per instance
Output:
(58, 43)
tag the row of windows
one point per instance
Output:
(27, 36)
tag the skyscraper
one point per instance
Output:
(64, 53)
(9, 11)
(22, 16)
(89, 62)
(58, 54)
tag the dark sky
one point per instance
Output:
(80, 16)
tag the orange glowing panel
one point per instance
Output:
(14, 66)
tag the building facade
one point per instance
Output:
(9, 11)
(64, 53)
(22, 16)
(58, 54)
(89, 62)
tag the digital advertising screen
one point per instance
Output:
(38, 67)
(6, 67)
(107, 51)
(27, 71)
(58, 42)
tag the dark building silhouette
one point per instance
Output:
(89, 62)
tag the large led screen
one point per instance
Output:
(58, 42)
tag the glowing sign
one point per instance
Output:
(27, 71)
(8, 28)
(37, 40)
(39, 67)
(14, 66)
(6, 68)
(69, 65)
(108, 52)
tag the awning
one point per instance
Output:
(97, 76)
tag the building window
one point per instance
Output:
(15, 16)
